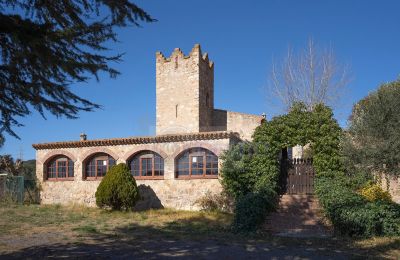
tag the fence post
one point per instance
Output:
(21, 190)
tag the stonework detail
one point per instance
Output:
(182, 86)
(391, 184)
(169, 192)
(185, 118)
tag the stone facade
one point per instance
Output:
(185, 118)
(168, 192)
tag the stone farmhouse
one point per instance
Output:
(174, 168)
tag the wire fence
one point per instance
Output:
(12, 189)
(18, 190)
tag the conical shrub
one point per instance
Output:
(118, 189)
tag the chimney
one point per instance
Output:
(83, 137)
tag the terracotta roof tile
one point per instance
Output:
(139, 140)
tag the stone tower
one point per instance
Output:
(184, 91)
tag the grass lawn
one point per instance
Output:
(36, 228)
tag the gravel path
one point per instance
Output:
(165, 249)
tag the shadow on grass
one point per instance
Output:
(194, 237)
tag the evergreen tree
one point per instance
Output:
(45, 46)
(373, 139)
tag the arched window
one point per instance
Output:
(98, 165)
(60, 168)
(147, 165)
(197, 163)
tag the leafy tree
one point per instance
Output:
(45, 46)
(373, 138)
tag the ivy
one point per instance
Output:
(300, 127)
(251, 170)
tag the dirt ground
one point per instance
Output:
(38, 232)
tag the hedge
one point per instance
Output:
(350, 212)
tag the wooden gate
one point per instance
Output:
(297, 176)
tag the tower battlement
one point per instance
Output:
(194, 53)
(185, 92)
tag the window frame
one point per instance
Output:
(96, 158)
(145, 155)
(57, 160)
(203, 153)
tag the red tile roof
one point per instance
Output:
(139, 140)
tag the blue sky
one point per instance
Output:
(242, 38)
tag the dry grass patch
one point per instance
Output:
(41, 226)
(23, 220)
(385, 247)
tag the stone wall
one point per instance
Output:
(169, 192)
(241, 123)
(206, 95)
(391, 184)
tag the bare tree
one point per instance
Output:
(311, 76)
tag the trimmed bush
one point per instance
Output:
(117, 189)
(351, 213)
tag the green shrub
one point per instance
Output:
(252, 209)
(117, 189)
(238, 178)
(351, 213)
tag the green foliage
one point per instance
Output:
(373, 138)
(354, 204)
(351, 213)
(300, 127)
(251, 170)
(117, 189)
(252, 208)
(47, 45)
(238, 177)
(374, 192)
(245, 166)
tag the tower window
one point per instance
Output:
(176, 62)
(176, 110)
